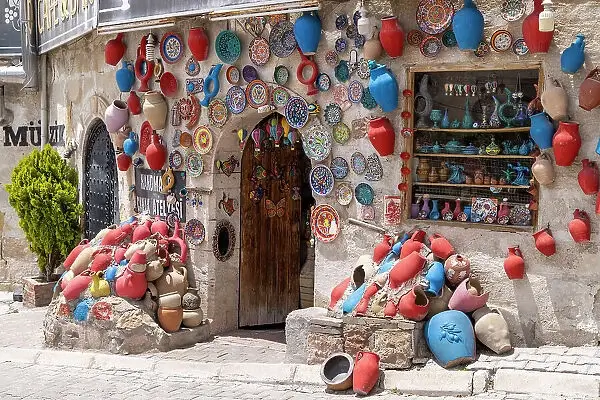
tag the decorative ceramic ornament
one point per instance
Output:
(305, 63)
(228, 166)
(358, 162)
(383, 87)
(114, 50)
(282, 40)
(331, 58)
(195, 232)
(194, 164)
(281, 75)
(168, 84)
(467, 25)
(391, 36)
(235, 99)
(431, 46)
(341, 133)
(519, 47)
(325, 223)
(116, 116)
(434, 16)
(193, 85)
(145, 136)
(296, 112)
(125, 77)
(374, 170)
(228, 46)
(537, 42)
(355, 91)
(344, 194)
(279, 96)
(211, 84)
(232, 74)
(415, 37)
(259, 51)
(176, 159)
(317, 143)
(257, 94)
(321, 180)
(203, 140)
(307, 31)
(566, 143)
(501, 40)
(332, 114)
(323, 82)
(512, 10)
(223, 240)
(171, 47)
(339, 167)
(217, 113)
(393, 206)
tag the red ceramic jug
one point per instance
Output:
(366, 372)
(198, 43)
(120, 254)
(114, 50)
(566, 143)
(514, 266)
(156, 153)
(406, 268)
(537, 42)
(579, 227)
(588, 177)
(134, 103)
(338, 292)
(160, 226)
(414, 305)
(141, 232)
(307, 62)
(101, 259)
(382, 136)
(391, 36)
(74, 253)
(440, 246)
(131, 284)
(544, 242)
(589, 91)
(361, 308)
(123, 162)
(419, 236)
(77, 285)
(457, 211)
(382, 249)
(598, 203)
(410, 246)
(179, 242)
(390, 310)
(117, 235)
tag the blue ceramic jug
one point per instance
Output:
(386, 267)
(383, 87)
(467, 25)
(436, 277)
(352, 301)
(572, 58)
(451, 338)
(130, 145)
(125, 77)
(307, 30)
(435, 210)
(211, 85)
(541, 130)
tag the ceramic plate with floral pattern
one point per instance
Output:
(195, 232)
(341, 133)
(415, 37)
(171, 47)
(228, 46)
(483, 49)
(282, 40)
(434, 16)
(431, 46)
(321, 180)
(296, 112)
(484, 209)
(364, 194)
(512, 10)
(176, 159)
(317, 143)
(358, 162)
(501, 40)
(217, 113)
(323, 82)
(332, 113)
(203, 140)
(233, 74)
(281, 75)
(344, 194)
(339, 167)
(257, 93)
(194, 164)
(325, 223)
(355, 91)
(519, 47)
(259, 51)
(236, 99)
(280, 96)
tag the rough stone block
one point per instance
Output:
(430, 382)
(394, 346)
(320, 346)
(37, 293)
(297, 332)
(550, 383)
(308, 375)
(481, 381)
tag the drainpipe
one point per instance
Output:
(44, 101)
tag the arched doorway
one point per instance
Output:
(100, 190)
(275, 207)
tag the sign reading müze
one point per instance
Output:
(149, 196)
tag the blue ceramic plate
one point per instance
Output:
(339, 167)
(296, 112)
(321, 180)
(364, 194)
(228, 46)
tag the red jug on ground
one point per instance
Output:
(579, 227)
(141, 232)
(440, 246)
(160, 226)
(544, 242)
(414, 305)
(514, 265)
(77, 285)
(588, 177)
(366, 372)
(101, 259)
(382, 249)
(406, 268)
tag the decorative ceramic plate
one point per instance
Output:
(176, 140)
(176, 159)
(228, 46)
(374, 169)
(257, 93)
(359, 41)
(360, 127)
(168, 84)
(501, 40)
(259, 51)
(352, 31)
(194, 164)
(364, 194)
(171, 47)
(321, 180)
(192, 67)
(217, 113)
(358, 162)
(325, 223)
(341, 133)
(331, 58)
(145, 137)
(483, 49)
(339, 167)
(434, 16)
(342, 71)
(281, 75)
(340, 93)
(233, 74)
(171, 219)
(236, 99)
(344, 194)
(282, 40)
(431, 46)
(317, 143)
(274, 19)
(341, 22)
(341, 45)
(332, 113)
(355, 91)
(296, 112)
(249, 73)
(484, 209)
(363, 71)
(520, 215)
(203, 140)
(195, 232)
(323, 82)
(512, 10)
(279, 96)
(449, 39)
(367, 100)
(519, 47)
(415, 37)
(186, 140)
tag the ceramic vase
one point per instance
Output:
(383, 87)
(176, 241)
(391, 36)
(436, 277)
(372, 49)
(573, 57)
(537, 42)
(82, 260)
(543, 170)
(467, 25)
(566, 143)
(409, 247)
(159, 226)
(579, 227)
(382, 249)
(458, 268)
(307, 30)
(156, 153)
(169, 300)
(131, 284)
(468, 296)
(439, 303)
(589, 177)
(125, 77)
(406, 268)
(211, 85)
(134, 104)
(352, 301)
(589, 91)
(440, 246)
(366, 372)
(141, 232)
(414, 305)
(451, 338)
(491, 329)
(192, 318)
(370, 291)
(544, 242)
(155, 110)
(174, 279)
(382, 136)
(541, 130)
(117, 236)
(84, 244)
(198, 43)
(101, 259)
(170, 318)
(77, 285)
(114, 50)
(514, 265)
(337, 371)
(116, 116)
(555, 100)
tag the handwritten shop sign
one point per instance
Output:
(149, 196)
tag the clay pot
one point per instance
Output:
(191, 300)
(119, 254)
(170, 300)
(361, 308)
(366, 372)
(436, 277)
(141, 232)
(491, 329)
(174, 279)
(101, 259)
(391, 36)
(192, 318)
(122, 135)
(155, 110)
(372, 49)
(451, 338)
(125, 77)
(468, 296)
(77, 285)
(116, 116)
(198, 43)
(543, 170)
(589, 91)
(415, 243)
(406, 268)
(132, 284)
(114, 50)
(123, 162)
(382, 249)
(353, 299)
(156, 153)
(579, 227)
(514, 266)
(566, 143)
(154, 269)
(537, 42)
(75, 253)
(66, 278)
(383, 86)
(573, 57)
(170, 318)
(147, 246)
(589, 177)
(458, 268)
(440, 246)
(541, 130)
(178, 242)
(438, 304)
(134, 103)
(307, 30)
(467, 25)
(160, 226)
(82, 260)
(337, 370)
(130, 145)
(338, 292)
(382, 136)
(544, 242)
(555, 100)
(414, 305)
(117, 235)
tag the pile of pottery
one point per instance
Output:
(340, 372)
(408, 278)
(137, 260)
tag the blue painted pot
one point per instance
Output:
(451, 338)
(435, 276)
(390, 257)
(111, 273)
(541, 130)
(383, 87)
(307, 30)
(352, 301)
(467, 26)
(130, 145)
(125, 77)
(573, 57)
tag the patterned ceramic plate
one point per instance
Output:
(434, 16)
(501, 40)
(296, 112)
(185, 139)
(355, 91)
(217, 113)
(228, 46)
(519, 47)
(325, 223)
(259, 51)
(171, 47)
(194, 164)
(321, 180)
(364, 194)
(512, 10)
(282, 40)
(195, 232)
(341, 22)
(449, 39)
(145, 137)
(344, 194)
(249, 73)
(168, 84)
(342, 71)
(359, 41)
(363, 71)
(339, 167)
(431, 46)
(374, 169)
(257, 93)
(484, 209)
(281, 75)
(236, 99)
(176, 159)
(415, 37)
(358, 162)
(352, 31)
(333, 114)
(359, 127)
(341, 133)
(323, 82)
(340, 93)
(233, 74)
(483, 49)
(203, 140)
(192, 67)
(317, 143)
(367, 100)
(331, 58)
(341, 45)
(520, 215)
(280, 96)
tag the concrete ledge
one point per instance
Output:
(256, 372)
(187, 368)
(551, 383)
(308, 375)
(435, 382)
(113, 362)
(75, 359)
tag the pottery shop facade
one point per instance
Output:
(237, 196)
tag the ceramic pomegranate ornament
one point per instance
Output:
(566, 143)
(544, 242)
(514, 265)
(382, 136)
(589, 177)
(198, 43)
(114, 50)
(579, 227)
(543, 170)
(366, 372)
(156, 153)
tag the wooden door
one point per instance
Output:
(271, 229)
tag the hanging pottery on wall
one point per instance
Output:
(544, 242)
(383, 86)
(382, 136)
(198, 43)
(555, 100)
(211, 85)
(537, 42)
(156, 154)
(374, 170)
(566, 143)
(130, 145)
(307, 30)
(589, 91)
(467, 25)
(514, 266)
(573, 57)
(155, 110)
(116, 116)
(543, 170)
(579, 227)
(134, 103)
(391, 36)
(125, 77)
(589, 177)
(541, 130)
(114, 50)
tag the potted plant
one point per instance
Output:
(43, 192)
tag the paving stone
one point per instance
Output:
(583, 351)
(578, 369)
(532, 357)
(563, 359)
(588, 360)
(480, 381)
(512, 364)
(541, 366)
(551, 383)
(427, 382)
(552, 350)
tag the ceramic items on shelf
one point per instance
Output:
(555, 100)
(198, 43)
(114, 50)
(468, 296)
(589, 177)
(543, 170)
(445, 120)
(589, 91)
(392, 36)
(382, 136)
(458, 268)
(116, 116)
(467, 25)
(383, 87)
(579, 227)
(537, 42)
(541, 130)
(451, 338)
(514, 266)
(155, 110)
(566, 143)
(573, 57)
(414, 305)
(491, 329)
(307, 31)
(366, 372)
(125, 77)
(544, 242)
(436, 116)
(467, 122)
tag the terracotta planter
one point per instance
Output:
(544, 242)
(337, 371)
(192, 318)
(537, 42)
(555, 100)
(391, 36)
(134, 103)
(440, 246)
(170, 318)
(543, 170)
(116, 116)
(382, 249)
(366, 372)
(37, 292)
(438, 304)
(74, 253)
(491, 329)
(382, 136)
(589, 91)
(458, 268)
(566, 143)
(155, 110)
(414, 305)
(579, 227)
(468, 296)
(338, 292)
(156, 153)
(589, 177)
(114, 50)
(406, 268)
(198, 43)
(514, 265)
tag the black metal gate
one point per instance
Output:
(101, 193)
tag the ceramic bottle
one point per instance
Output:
(198, 43)
(440, 246)
(212, 85)
(372, 49)
(544, 242)
(573, 57)
(132, 282)
(458, 268)
(383, 87)
(116, 116)
(114, 50)
(579, 227)
(307, 30)
(543, 170)
(451, 338)
(155, 110)
(439, 303)
(406, 268)
(467, 25)
(589, 91)
(435, 277)
(391, 36)
(337, 292)
(589, 177)
(514, 265)
(541, 130)
(134, 103)
(566, 143)
(156, 153)
(125, 77)
(74, 253)
(382, 249)
(491, 329)
(555, 100)
(170, 318)
(366, 372)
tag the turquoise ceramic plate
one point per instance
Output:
(228, 46)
